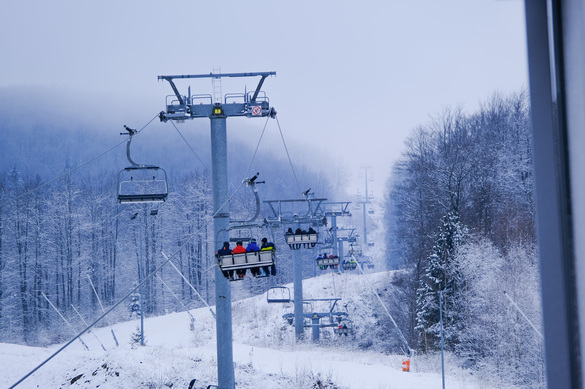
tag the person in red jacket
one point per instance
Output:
(239, 249)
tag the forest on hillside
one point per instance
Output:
(64, 235)
(459, 221)
(460, 218)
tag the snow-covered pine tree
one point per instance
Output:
(135, 306)
(442, 274)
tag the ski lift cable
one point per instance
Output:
(400, 335)
(524, 315)
(75, 168)
(188, 145)
(120, 301)
(288, 155)
(257, 146)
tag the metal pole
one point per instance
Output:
(223, 294)
(442, 342)
(103, 310)
(340, 251)
(140, 278)
(65, 320)
(84, 322)
(334, 234)
(367, 200)
(298, 291)
(316, 327)
(365, 241)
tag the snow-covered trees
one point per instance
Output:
(70, 236)
(472, 170)
(442, 276)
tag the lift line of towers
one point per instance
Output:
(140, 183)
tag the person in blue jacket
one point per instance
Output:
(253, 247)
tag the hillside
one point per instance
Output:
(265, 354)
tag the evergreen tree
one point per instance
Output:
(442, 274)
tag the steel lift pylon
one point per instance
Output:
(247, 104)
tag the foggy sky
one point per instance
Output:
(352, 78)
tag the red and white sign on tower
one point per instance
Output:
(256, 110)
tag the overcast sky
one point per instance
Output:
(353, 78)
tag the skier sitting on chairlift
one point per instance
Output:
(225, 250)
(253, 247)
(320, 263)
(268, 246)
(239, 249)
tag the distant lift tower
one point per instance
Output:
(249, 104)
(365, 202)
(293, 213)
(332, 211)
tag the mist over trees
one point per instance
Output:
(460, 218)
(62, 238)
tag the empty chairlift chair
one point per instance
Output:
(142, 184)
(278, 294)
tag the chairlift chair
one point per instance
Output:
(349, 265)
(342, 329)
(142, 184)
(306, 240)
(324, 263)
(344, 326)
(278, 294)
(260, 263)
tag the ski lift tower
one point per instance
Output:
(218, 108)
(332, 211)
(365, 202)
(287, 213)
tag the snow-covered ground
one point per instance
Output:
(265, 354)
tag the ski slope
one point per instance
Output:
(265, 354)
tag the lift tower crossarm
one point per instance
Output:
(217, 75)
(252, 104)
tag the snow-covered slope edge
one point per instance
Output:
(265, 354)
